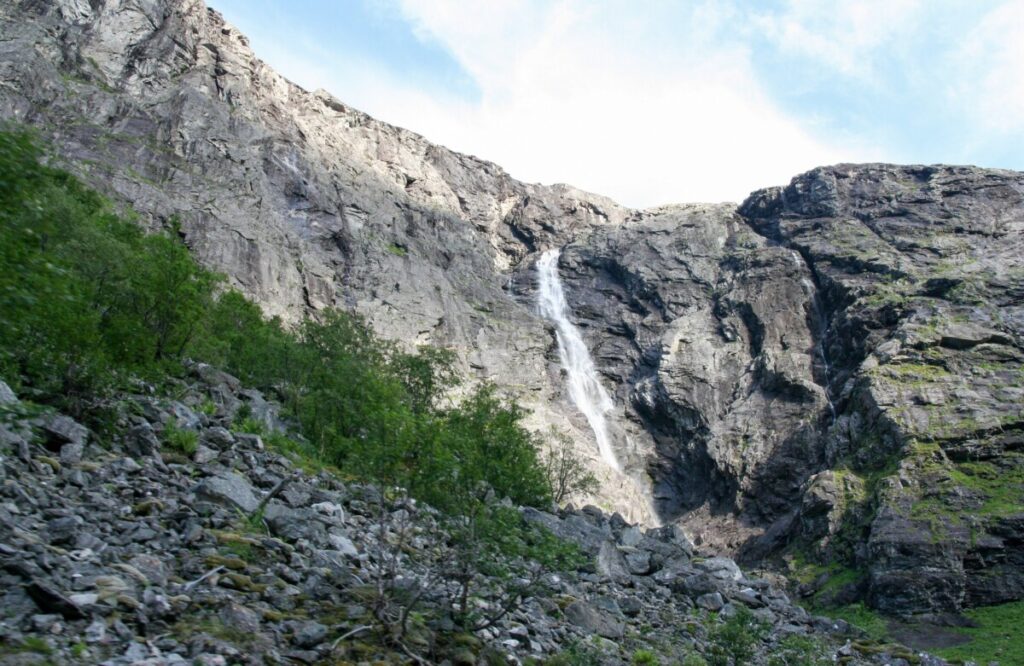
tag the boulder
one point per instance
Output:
(7, 396)
(228, 489)
(60, 430)
(594, 621)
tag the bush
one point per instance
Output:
(800, 651)
(566, 475)
(180, 439)
(86, 298)
(733, 641)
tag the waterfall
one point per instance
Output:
(584, 387)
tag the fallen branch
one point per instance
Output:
(412, 655)
(188, 587)
(274, 492)
(350, 634)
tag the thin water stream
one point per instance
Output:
(585, 388)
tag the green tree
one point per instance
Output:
(566, 475)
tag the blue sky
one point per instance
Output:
(658, 102)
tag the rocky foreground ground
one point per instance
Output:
(132, 548)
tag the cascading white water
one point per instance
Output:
(584, 387)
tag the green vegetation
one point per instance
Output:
(180, 439)
(644, 658)
(86, 299)
(36, 644)
(996, 638)
(862, 617)
(1002, 486)
(916, 371)
(566, 474)
(576, 654)
(89, 303)
(733, 641)
(798, 650)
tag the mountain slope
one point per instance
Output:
(829, 375)
(303, 202)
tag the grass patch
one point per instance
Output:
(800, 651)
(870, 622)
(180, 439)
(733, 641)
(926, 370)
(249, 425)
(187, 628)
(36, 644)
(997, 638)
(1002, 485)
(840, 578)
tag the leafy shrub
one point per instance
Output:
(734, 640)
(800, 651)
(250, 426)
(86, 297)
(566, 475)
(181, 439)
(576, 654)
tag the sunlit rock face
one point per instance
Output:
(832, 368)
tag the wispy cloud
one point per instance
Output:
(613, 102)
(851, 38)
(695, 100)
(989, 67)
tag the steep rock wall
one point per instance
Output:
(921, 281)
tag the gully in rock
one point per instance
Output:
(585, 389)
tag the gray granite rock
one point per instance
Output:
(7, 396)
(594, 621)
(230, 489)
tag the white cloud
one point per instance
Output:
(846, 37)
(662, 103)
(989, 66)
(576, 92)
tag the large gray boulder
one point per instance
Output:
(228, 489)
(594, 621)
(7, 396)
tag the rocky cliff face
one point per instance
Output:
(831, 371)
(919, 277)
